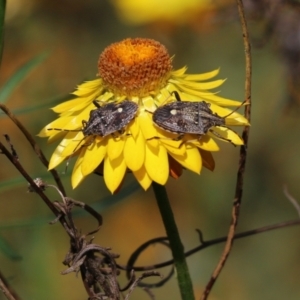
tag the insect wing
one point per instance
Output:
(179, 117)
(187, 117)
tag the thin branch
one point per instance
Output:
(243, 156)
(135, 256)
(138, 280)
(203, 245)
(34, 145)
(33, 184)
(7, 290)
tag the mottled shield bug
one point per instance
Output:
(187, 117)
(107, 119)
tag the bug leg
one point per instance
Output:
(120, 134)
(96, 103)
(176, 94)
(178, 138)
(77, 148)
(191, 140)
(221, 137)
(84, 123)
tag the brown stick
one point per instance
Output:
(34, 145)
(243, 156)
(7, 290)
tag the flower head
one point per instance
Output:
(138, 70)
(146, 11)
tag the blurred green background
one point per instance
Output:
(73, 33)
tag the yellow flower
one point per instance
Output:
(170, 11)
(139, 70)
(144, 11)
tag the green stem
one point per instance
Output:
(183, 275)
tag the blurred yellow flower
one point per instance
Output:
(174, 11)
(145, 11)
(139, 70)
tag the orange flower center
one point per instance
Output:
(135, 67)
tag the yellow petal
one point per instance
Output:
(179, 150)
(222, 101)
(169, 140)
(72, 142)
(77, 176)
(133, 128)
(227, 134)
(134, 152)
(197, 85)
(194, 95)
(148, 129)
(114, 172)
(86, 87)
(234, 118)
(115, 147)
(204, 142)
(143, 178)
(148, 103)
(77, 105)
(107, 96)
(191, 160)
(59, 153)
(146, 125)
(93, 157)
(60, 124)
(164, 96)
(56, 137)
(68, 123)
(55, 160)
(68, 105)
(203, 76)
(156, 163)
(179, 72)
(169, 137)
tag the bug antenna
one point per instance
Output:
(237, 108)
(66, 130)
(69, 158)
(76, 148)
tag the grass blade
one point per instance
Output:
(19, 75)
(2, 16)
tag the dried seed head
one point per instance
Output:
(39, 182)
(135, 67)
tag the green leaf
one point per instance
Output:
(2, 16)
(16, 79)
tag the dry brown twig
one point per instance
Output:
(34, 145)
(243, 156)
(7, 290)
(96, 264)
